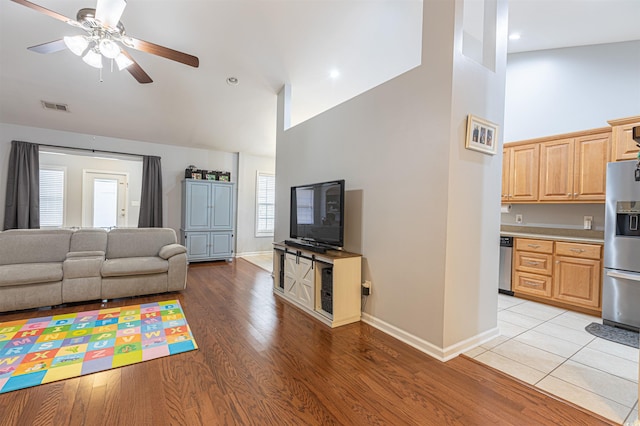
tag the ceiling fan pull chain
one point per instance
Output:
(101, 80)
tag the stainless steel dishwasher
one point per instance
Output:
(504, 273)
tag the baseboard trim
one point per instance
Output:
(441, 354)
(253, 253)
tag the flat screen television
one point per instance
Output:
(317, 213)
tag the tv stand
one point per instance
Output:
(325, 285)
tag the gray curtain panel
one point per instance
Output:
(22, 206)
(151, 198)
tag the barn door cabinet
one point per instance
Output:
(207, 228)
(324, 285)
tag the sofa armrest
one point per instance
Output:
(77, 254)
(171, 250)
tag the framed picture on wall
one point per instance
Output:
(482, 135)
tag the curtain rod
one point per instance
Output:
(92, 150)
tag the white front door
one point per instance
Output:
(104, 199)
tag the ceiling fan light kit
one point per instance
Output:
(105, 32)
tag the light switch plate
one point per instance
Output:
(518, 218)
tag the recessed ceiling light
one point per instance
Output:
(514, 36)
(233, 81)
(334, 74)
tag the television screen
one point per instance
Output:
(317, 213)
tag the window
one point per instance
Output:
(52, 194)
(265, 204)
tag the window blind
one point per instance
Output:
(51, 197)
(265, 204)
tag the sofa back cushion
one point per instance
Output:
(34, 245)
(138, 242)
(89, 239)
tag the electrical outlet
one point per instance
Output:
(366, 288)
(588, 222)
(518, 218)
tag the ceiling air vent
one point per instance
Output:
(54, 106)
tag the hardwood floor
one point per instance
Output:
(261, 361)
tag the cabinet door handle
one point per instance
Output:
(577, 250)
(531, 262)
(531, 283)
(535, 246)
(575, 194)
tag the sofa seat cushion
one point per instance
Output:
(134, 266)
(30, 273)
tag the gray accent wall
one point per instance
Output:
(427, 216)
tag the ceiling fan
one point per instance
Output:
(105, 35)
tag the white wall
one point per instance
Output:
(174, 160)
(249, 166)
(565, 90)
(428, 208)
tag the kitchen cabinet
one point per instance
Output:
(623, 145)
(532, 267)
(574, 169)
(520, 173)
(577, 274)
(565, 168)
(561, 273)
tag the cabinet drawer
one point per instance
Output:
(534, 284)
(585, 251)
(537, 246)
(537, 263)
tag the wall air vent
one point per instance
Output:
(54, 106)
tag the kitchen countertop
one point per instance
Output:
(556, 234)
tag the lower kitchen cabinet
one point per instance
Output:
(561, 273)
(577, 274)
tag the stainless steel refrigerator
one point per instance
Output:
(621, 275)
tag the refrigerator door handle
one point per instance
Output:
(624, 275)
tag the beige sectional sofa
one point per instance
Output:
(49, 267)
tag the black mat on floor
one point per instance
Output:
(618, 335)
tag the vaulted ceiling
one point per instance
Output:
(262, 43)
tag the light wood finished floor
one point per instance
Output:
(263, 362)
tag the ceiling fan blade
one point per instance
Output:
(50, 47)
(136, 70)
(165, 52)
(46, 11)
(108, 12)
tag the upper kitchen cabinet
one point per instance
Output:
(575, 169)
(623, 146)
(520, 173)
(562, 169)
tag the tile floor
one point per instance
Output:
(263, 260)
(549, 348)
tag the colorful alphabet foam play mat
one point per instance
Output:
(43, 350)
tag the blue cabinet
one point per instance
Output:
(208, 216)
